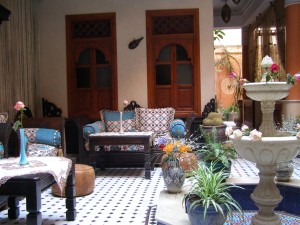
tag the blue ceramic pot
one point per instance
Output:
(196, 215)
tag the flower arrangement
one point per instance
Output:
(254, 135)
(173, 149)
(20, 107)
(272, 72)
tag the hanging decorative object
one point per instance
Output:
(236, 1)
(133, 44)
(226, 13)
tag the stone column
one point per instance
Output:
(292, 54)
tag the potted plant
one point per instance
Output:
(215, 120)
(215, 151)
(208, 201)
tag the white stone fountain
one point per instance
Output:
(268, 152)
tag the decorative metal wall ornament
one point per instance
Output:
(133, 44)
(4, 13)
(236, 1)
(226, 13)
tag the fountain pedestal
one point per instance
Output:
(266, 197)
(268, 152)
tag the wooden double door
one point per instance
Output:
(91, 55)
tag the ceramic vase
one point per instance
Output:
(173, 176)
(23, 158)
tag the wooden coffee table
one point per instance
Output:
(31, 186)
(126, 138)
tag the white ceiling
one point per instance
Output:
(242, 14)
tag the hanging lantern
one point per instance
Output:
(226, 13)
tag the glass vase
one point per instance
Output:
(23, 157)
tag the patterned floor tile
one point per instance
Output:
(124, 196)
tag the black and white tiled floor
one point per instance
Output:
(121, 196)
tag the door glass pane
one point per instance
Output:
(83, 77)
(103, 77)
(184, 74)
(165, 54)
(84, 57)
(163, 74)
(181, 53)
(100, 57)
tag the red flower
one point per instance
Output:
(274, 68)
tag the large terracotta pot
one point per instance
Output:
(221, 136)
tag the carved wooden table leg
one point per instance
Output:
(70, 191)
(33, 204)
(14, 209)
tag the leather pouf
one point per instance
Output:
(85, 181)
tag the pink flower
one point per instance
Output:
(298, 126)
(255, 135)
(125, 102)
(232, 75)
(297, 76)
(243, 81)
(274, 68)
(19, 105)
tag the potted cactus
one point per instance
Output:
(214, 120)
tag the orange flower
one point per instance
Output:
(183, 148)
(169, 147)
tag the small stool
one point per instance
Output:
(85, 181)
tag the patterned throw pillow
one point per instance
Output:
(3, 117)
(156, 120)
(43, 136)
(1, 151)
(112, 121)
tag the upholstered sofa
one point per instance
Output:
(160, 121)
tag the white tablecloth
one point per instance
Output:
(59, 167)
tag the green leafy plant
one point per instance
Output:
(210, 190)
(214, 150)
(218, 34)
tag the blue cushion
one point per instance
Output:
(1, 151)
(177, 128)
(48, 137)
(96, 127)
(115, 116)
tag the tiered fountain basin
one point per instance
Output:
(268, 152)
(267, 91)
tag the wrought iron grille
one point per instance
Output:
(173, 24)
(92, 28)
